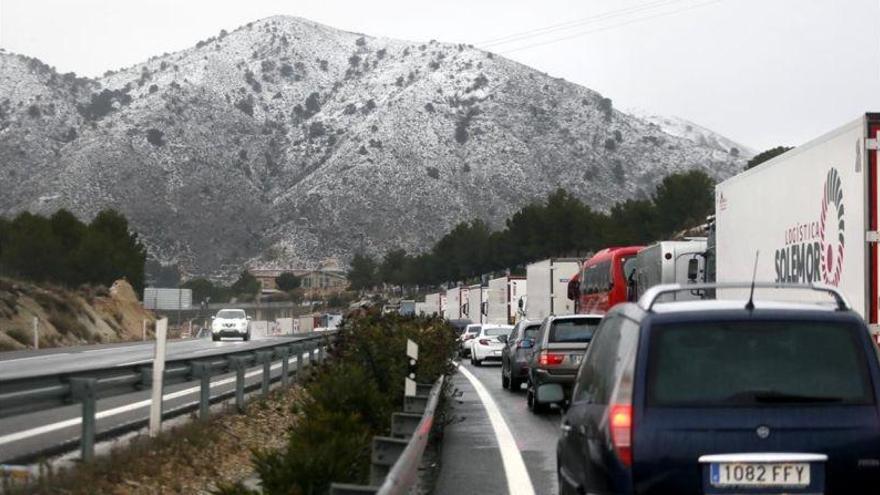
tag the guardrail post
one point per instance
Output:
(386, 451)
(265, 357)
(284, 354)
(85, 390)
(203, 372)
(239, 364)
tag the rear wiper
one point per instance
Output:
(773, 397)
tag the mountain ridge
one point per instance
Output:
(286, 141)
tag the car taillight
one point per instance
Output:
(484, 341)
(550, 359)
(621, 421)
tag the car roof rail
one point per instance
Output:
(647, 301)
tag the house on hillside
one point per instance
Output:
(327, 278)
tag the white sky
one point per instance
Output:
(763, 72)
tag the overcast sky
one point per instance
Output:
(762, 72)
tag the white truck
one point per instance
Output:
(671, 262)
(547, 287)
(456, 299)
(504, 295)
(431, 305)
(475, 309)
(809, 215)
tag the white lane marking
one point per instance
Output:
(518, 480)
(41, 430)
(34, 357)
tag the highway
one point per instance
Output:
(26, 437)
(495, 445)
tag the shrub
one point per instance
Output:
(368, 107)
(429, 107)
(246, 105)
(34, 111)
(103, 103)
(605, 107)
(361, 41)
(350, 400)
(381, 54)
(317, 129)
(156, 137)
(354, 60)
(313, 104)
(461, 127)
(324, 65)
(153, 88)
(286, 70)
(433, 173)
(21, 336)
(610, 144)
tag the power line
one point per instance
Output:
(576, 23)
(613, 26)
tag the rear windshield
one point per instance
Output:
(230, 314)
(757, 363)
(475, 329)
(574, 330)
(492, 332)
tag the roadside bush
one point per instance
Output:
(350, 400)
(20, 335)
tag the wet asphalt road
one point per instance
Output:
(471, 459)
(25, 435)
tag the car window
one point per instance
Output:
(573, 330)
(531, 332)
(494, 331)
(752, 363)
(613, 348)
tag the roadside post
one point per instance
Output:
(144, 330)
(412, 352)
(158, 374)
(36, 333)
(85, 391)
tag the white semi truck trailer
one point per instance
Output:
(456, 300)
(475, 309)
(547, 287)
(810, 215)
(504, 295)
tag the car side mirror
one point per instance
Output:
(520, 304)
(502, 338)
(248, 317)
(693, 269)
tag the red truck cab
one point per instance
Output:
(604, 280)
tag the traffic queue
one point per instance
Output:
(732, 362)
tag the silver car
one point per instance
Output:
(556, 356)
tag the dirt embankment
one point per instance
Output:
(67, 317)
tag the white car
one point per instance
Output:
(485, 346)
(464, 341)
(231, 323)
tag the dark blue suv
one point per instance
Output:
(725, 397)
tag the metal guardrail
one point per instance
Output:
(396, 459)
(42, 391)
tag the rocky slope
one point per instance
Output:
(288, 141)
(67, 317)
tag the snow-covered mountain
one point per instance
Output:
(286, 140)
(683, 128)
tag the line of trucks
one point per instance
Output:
(807, 216)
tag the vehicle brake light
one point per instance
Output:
(484, 341)
(550, 359)
(621, 421)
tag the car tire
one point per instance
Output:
(475, 361)
(215, 338)
(534, 406)
(246, 337)
(505, 381)
(514, 384)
